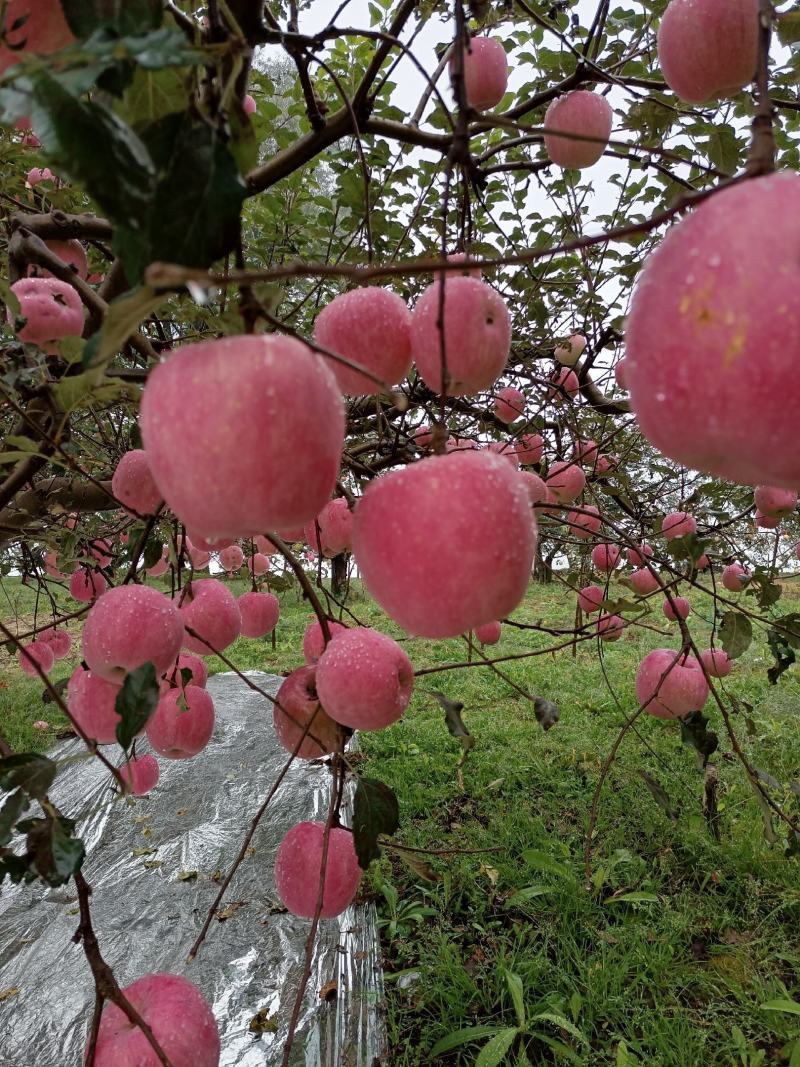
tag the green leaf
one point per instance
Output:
(723, 149)
(562, 1023)
(152, 94)
(514, 983)
(123, 318)
(736, 633)
(782, 651)
(29, 772)
(453, 721)
(788, 27)
(544, 862)
(123, 16)
(52, 852)
(193, 214)
(136, 701)
(633, 898)
(530, 892)
(694, 734)
(494, 1051)
(11, 810)
(658, 793)
(375, 812)
(791, 1007)
(86, 142)
(463, 1037)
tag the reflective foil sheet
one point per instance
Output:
(152, 863)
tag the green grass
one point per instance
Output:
(673, 976)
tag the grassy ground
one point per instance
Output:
(667, 958)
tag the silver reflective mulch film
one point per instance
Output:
(152, 864)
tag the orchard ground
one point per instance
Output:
(671, 956)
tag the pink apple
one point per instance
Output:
(298, 870)
(712, 354)
(569, 352)
(230, 446)
(566, 481)
(128, 626)
(71, 253)
(249, 105)
(637, 557)
(485, 72)
(91, 702)
(141, 774)
(49, 310)
(176, 1011)
(371, 328)
(678, 524)
(575, 115)
(536, 489)
(509, 404)
(86, 585)
(565, 384)
(37, 175)
(610, 627)
(161, 566)
(297, 707)
(335, 523)
(590, 598)
(767, 522)
(423, 436)
(260, 613)
(265, 546)
(772, 500)
(258, 564)
(477, 335)
(59, 640)
(188, 661)
(314, 642)
(364, 679)
(132, 483)
(210, 609)
(505, 449)
(489, 633)
(32, 26)
(183, 722)
(231, 558)
(585, 452)
(716, 662)
(702, 563)
(680, 608)
(37, 653)
(669, 686)
(605, 557)
(708, 48)
(474, 570)
(529, 448)
(584, 523)
(732, 576)
(645, 581)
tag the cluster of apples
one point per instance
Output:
(577, 125)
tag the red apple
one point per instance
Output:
(708, 48)
(364, 679)
(575, 115)
(243, 434)
(711, 354)
(477, 566)
(669, 686)
(298, 870)
(371, 328)
(177, 1013)
(477, 335)
(297, 707)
